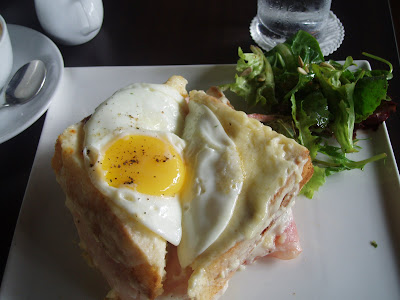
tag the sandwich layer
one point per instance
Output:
(275, 168)
(127, 248)
(116, 244)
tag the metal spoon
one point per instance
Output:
(26, 83)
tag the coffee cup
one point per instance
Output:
(70, 22)
(6, 54)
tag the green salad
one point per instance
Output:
(317, 103)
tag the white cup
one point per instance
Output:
(70, 22)
(6, 54)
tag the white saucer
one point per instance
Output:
(27, 45)
(330, 37)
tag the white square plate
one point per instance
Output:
(335, 227)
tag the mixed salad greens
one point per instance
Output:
(317, 103)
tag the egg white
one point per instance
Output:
(140, 109)
(214, 183)
(138, 106)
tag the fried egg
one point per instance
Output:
(134, 155)
(175, 172)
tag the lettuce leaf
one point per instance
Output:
(314, 102)
(256, 80)
(317, 180)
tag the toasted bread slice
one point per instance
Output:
(130, 256)
(117, 245)
(266, 155)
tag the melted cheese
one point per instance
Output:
(272, 167)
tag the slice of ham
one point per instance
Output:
(262, 118)
(288, 243)
(176, 281)
(281, 240)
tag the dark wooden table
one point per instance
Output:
(178, 33)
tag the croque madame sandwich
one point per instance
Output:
(171, 193)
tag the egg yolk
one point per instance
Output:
(144, 163)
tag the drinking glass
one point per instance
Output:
(286, 17)
(276, 20)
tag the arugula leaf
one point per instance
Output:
(303, 123)
(316, 108)
(282, 55)
(389, 73)
(371, 89)
(368, 95)
(341, 104)
(302, 82)
(306, 46)
(303, 45)
(339, 162)
(284, 125)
